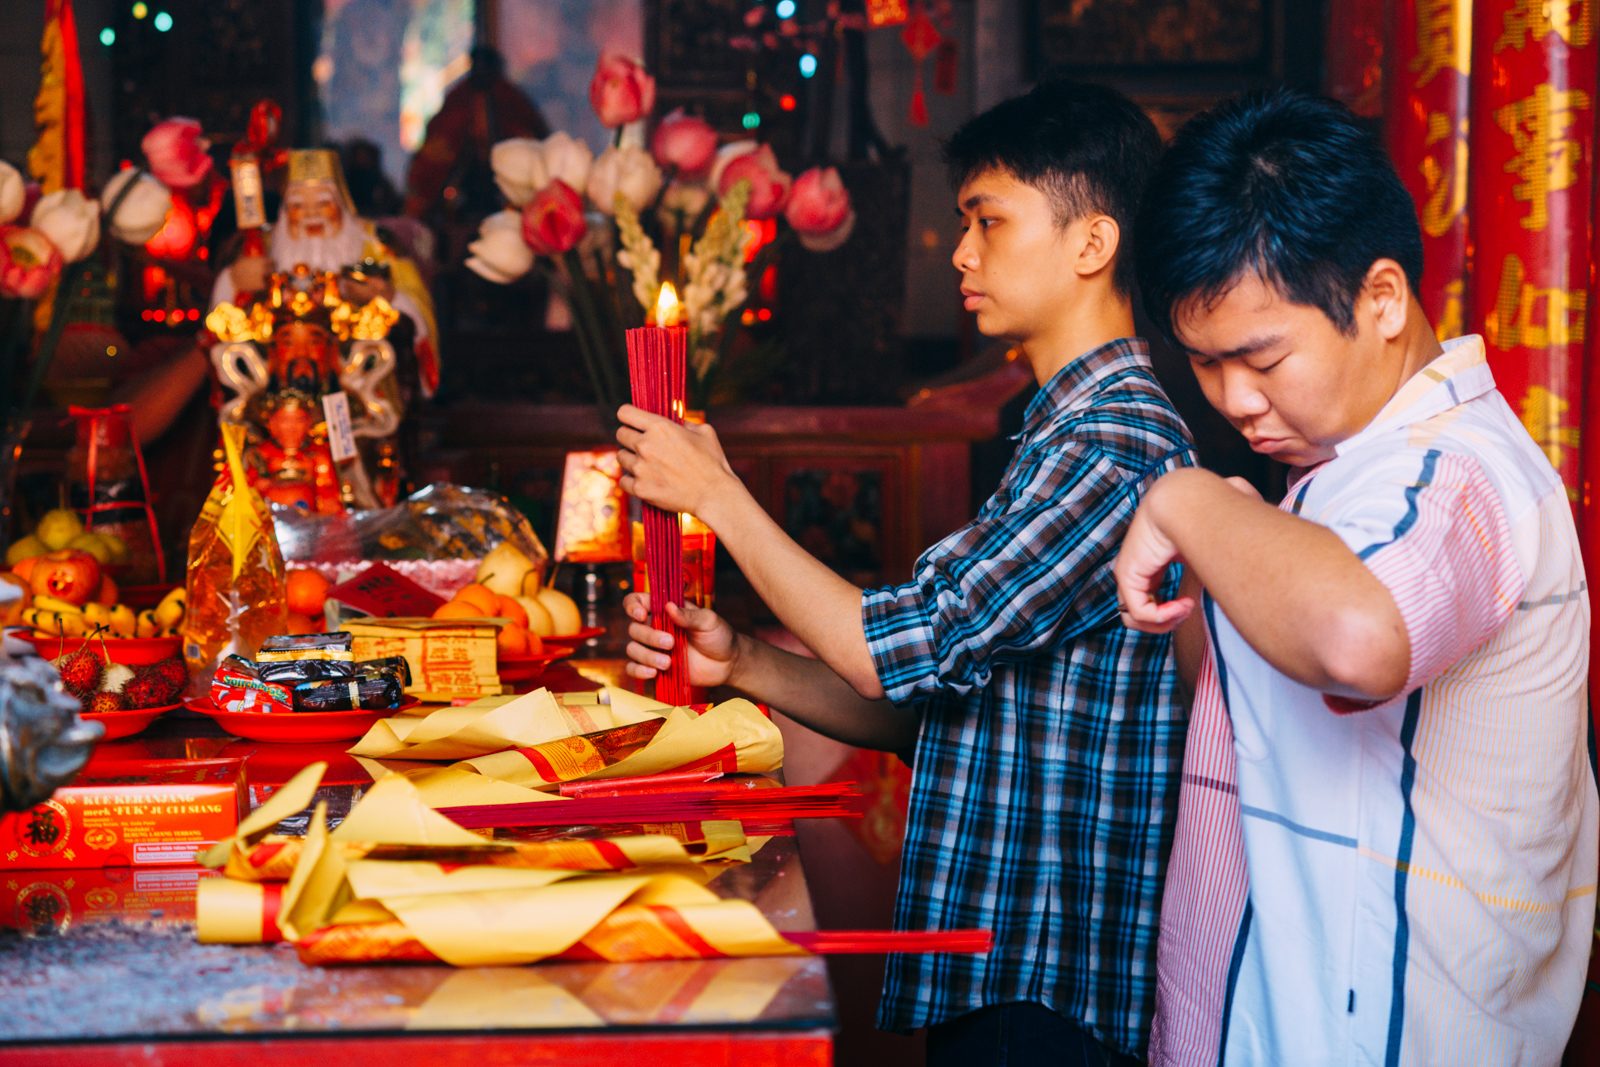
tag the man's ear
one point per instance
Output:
(1388, 296)
(1102, 238)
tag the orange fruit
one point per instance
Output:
(300, 623)
(510, 609)
(513, 641)
(308, 591)
(535, 644)
(24, 568)
(108, 591)
(458, 609)
(486, 600)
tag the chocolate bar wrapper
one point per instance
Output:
(237, 686)
(285, 647)
(368, 691)
(294, 671)
(396, 663)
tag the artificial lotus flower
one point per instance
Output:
(685, 142)
(627, 171)
(621, 90)
(500, 254)
(29, 262)
(523, 166)
(769, 186)
(13, 192)
(177, 153)
(142, 212)
(819, 210)
(552, 222)
(70, 220)
(725, 155)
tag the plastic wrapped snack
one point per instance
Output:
(286, 648)
(294, 671)
(372, 689)
(237, 686)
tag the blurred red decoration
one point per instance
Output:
(178, 235)
(787, 102)
(886, 13)
(921, 37)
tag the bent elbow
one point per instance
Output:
(1368, 655)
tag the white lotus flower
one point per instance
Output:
(71, 221)
(13, 192)
(142, 212)
(500, 254)
(630, 171)
(523, 166)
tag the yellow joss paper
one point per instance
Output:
(491, 725)
(733, 736)
(394, 813)
(293, 797)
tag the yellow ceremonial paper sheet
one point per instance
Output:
(732, 736)
(478, 914)
(290, 799)
(493, 724)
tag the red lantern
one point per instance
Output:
(1427, 131)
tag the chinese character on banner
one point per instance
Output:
(1428, 135)
(1531, 158)
(42, 831)
(1531, 20)
(1444, 40)
(1547, 156)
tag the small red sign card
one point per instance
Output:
(385, 593)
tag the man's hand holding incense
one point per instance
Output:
(805, 689)
(713, 646)
(682, 468)
(676, 468)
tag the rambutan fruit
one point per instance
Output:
(81, 671)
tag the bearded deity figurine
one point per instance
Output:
(291, 348)
(317, 227)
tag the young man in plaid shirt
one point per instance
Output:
(1048, 738)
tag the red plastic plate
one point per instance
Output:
(573, 640)
(295, 727)
(120, 724)
(130, 651)
(527, 668)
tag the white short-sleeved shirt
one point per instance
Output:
(1412, 882)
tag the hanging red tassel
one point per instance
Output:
(919, 103)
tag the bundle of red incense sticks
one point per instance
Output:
(710, 801)
(657, 365)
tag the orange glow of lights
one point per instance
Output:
(749, 317)
(765, 314)
(787, 102)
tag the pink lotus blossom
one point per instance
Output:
(552, 222)
(819, 210)
(621, 91)
(685, 142)
(177, 153)
(769, 186)
(28, 262)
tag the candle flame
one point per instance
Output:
(667, 305)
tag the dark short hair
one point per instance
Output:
(1284, 183)
(1088, 148)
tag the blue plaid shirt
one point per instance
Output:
(1046, 778)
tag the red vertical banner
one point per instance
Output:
(1529, 211)
(1430, 54)
(1355, 55)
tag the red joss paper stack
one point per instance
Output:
(657, 366)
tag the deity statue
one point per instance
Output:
(296, 355)
(318, 227)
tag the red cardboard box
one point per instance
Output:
(157, 814)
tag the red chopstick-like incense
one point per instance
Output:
(841, 942)
(834, 800)
(657, 365)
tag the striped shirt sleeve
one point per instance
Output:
(1431, 527)
(1033, 569)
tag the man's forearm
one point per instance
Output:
(809, 692)
(819, 607)
(1292, 588)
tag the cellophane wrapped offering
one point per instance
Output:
(237, 589)
(237, 686)
(309, 672)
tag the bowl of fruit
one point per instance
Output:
(65, 600)
(544, 624)
(125, 698)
